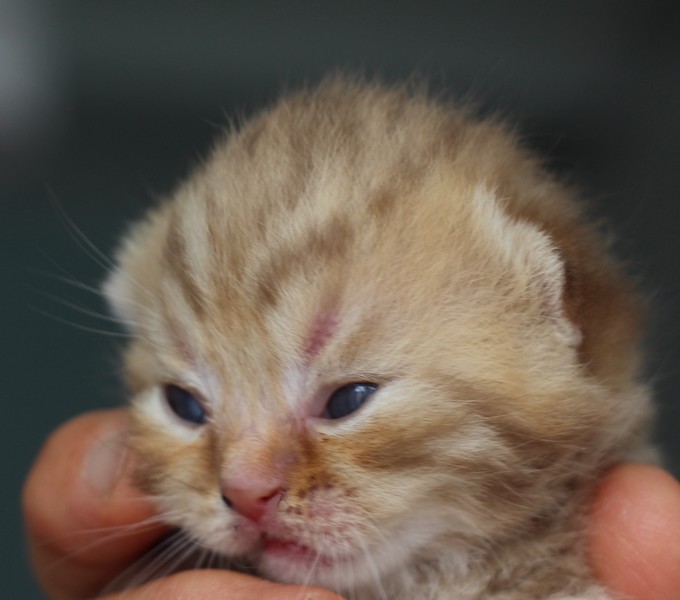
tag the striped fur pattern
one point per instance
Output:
(360, 233)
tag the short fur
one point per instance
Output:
(362, 233)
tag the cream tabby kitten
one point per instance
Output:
(378, 349)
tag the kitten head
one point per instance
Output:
(368, 328)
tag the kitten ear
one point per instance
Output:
(116, 289)
(548, 281)
(122, 286)
(535, 261)
(137, 259)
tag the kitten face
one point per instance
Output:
(358, 236)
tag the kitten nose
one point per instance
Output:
(252, 496)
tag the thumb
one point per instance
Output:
(85, 522)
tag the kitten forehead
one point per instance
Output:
(323, 327)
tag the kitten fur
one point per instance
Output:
(362, 233)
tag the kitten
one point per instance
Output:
(378, 349)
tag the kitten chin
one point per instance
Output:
(377, 347)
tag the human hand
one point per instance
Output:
(86, 523)
(78, 492)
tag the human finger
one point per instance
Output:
(213, 585)
(635, 533)
(85, 521)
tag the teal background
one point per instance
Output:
(105, 105)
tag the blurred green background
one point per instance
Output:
(105, 105)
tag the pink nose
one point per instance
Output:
(252, 497)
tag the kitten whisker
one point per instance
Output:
(368, 558)
(78, 235)
(115, 533)
(89, 247)
(67, 279)
(112, 531)
(310, 573)
(136, 574)
(159, 561)
(79, 326)
(213, 559)
(72, 281)
(91, 313)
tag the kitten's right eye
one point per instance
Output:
(184, 404)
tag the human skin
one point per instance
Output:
(634, 534)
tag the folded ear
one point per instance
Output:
(116, 290)
(136, 256)
(532, 258)
(130, 286)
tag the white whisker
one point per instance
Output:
(79, 237)
(310, 574)
(92, 313)
(79, 326)
(113, 533)
(72, 281)
(160, 561)
(368, 558)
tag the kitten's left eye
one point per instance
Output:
(184, 404)
(348, 398)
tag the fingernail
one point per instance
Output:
(105, 462)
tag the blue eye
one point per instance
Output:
(348, 398)
(184, 404)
